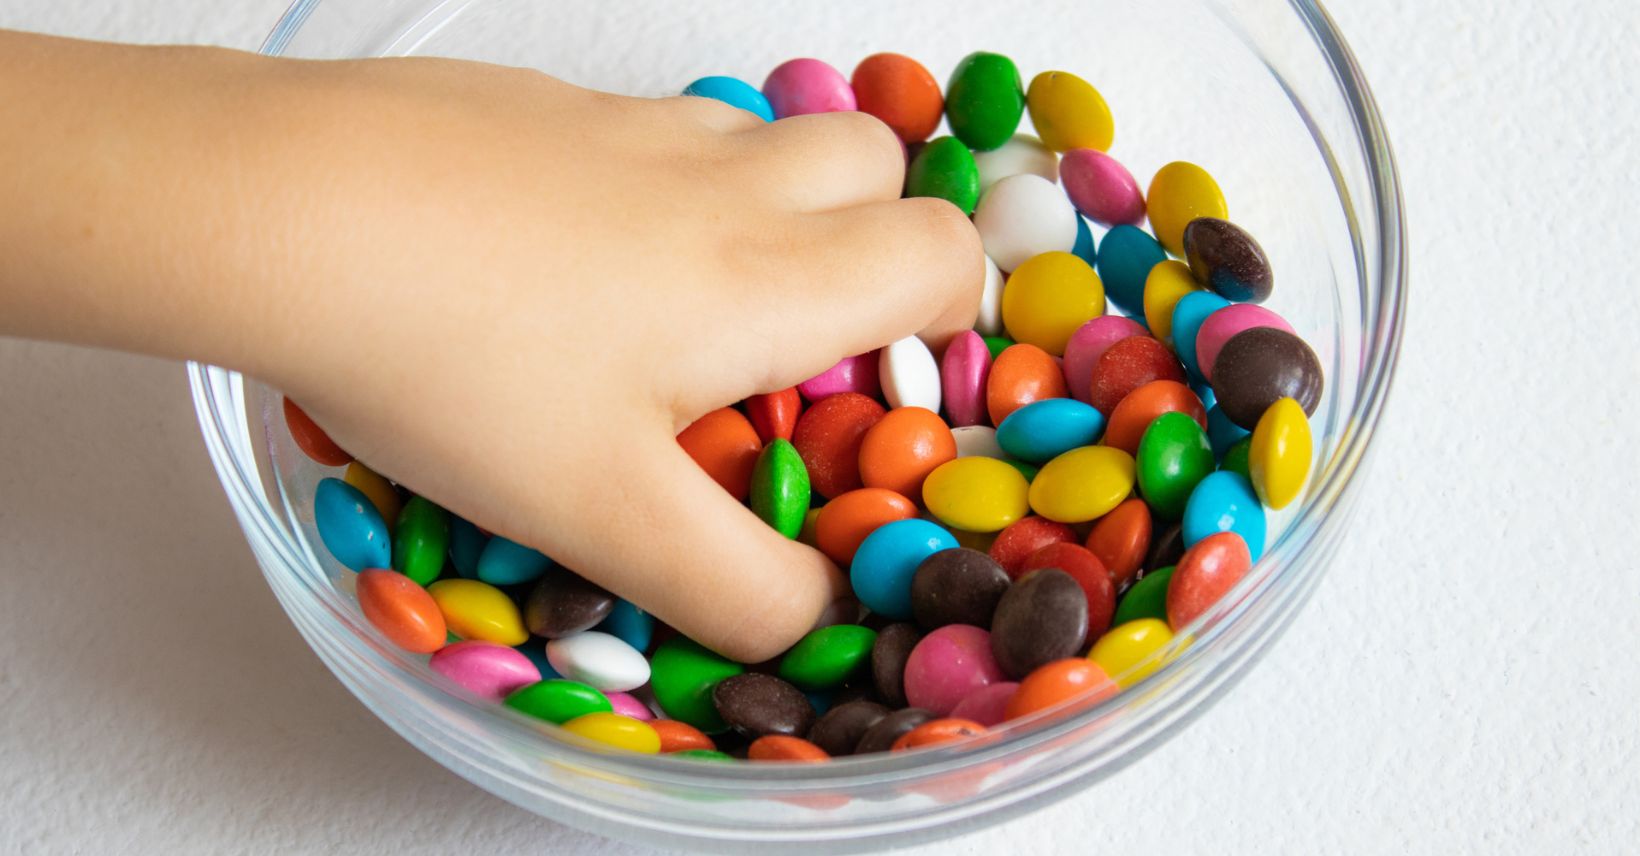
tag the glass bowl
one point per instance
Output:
(1264, 94)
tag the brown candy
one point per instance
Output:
(1260, 366)
(888, 656)
(755, 704)
(1166, 549)
(563, 603)
(958, 586)
(881, 736)
(1225, 258)
(840, 730)
(1042, 618)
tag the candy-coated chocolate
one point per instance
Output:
(963, 371)
(734, 92)
(987, 706)
(378, 490)
(1129, 365)
(949, 664)
(535, 648)
(1053, 684)
(1041, 618)
(1146, 598)
(678, 736)
(880, 736)
(1140, 407)
(617, 731)
(909, 375)
(847, 520)
(1189, 314)
(989, 320)
(1173, 458)
(311, 439)
(683, 674)
(559, 701)
(1165, 547)
(402, 610)
(1069, 113)
(780, 747)
(725, 445)
(708, 755)
(1085, 248)
(1082, 484)
(755, 704)
(1126, 255)
(901, 92)
(1022, 216)
(905, 446)
(1101, 188)
(944, 169)
(984, 100)
(1236, 459)
(828, 438)
(505, 563)
(1224, 502)
(801, 86)
(484, 669)
(1166, 284)
(1088, 344)
(808, 535)
(1120, 539)
(1261, 366)
(627, 704)
(1043, 430)
(1225, 258)
(1023, 154)
(779, 493)
(888, 656)
(827, 657)
(1223, 433)
(998, 344)
(467, 544)
(774, 414)
(1278, 455)
(1224, 324)
(938, 731)
(840, 729)
(1088, 571)
(888, 558)
(600, 660)
(477, 610)
(1179, 193)
(1128, 653)
(1016, 543)
(976, 494)
(1020, 375)
(958, 586)
(977, 441)
(851, 374)
(563, 603)
(421, 540)
(350, 526)
(1048, 297)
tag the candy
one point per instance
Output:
(1142, 406)
(958, 586)
(1053, 684)
(1041, 618)
(1223, 433)
(887, 559)
(888, 656)
(709, 755)
(1016, 543)
(1089, 573)
(1128, 652)
(963, 371)
(1224, 502)
(1228, 260)
(627, 704)
(1023, 216)
(1261, 366)
(945, 169)
(1278, 456)
(350, 526)
(984, 100)
(828, 437)
(1235, 459)
(466, 545)
(1120, 540)
(998, 344)
(900, 92)
(881, 736)
(598, 659)
(846, 521)
(851, 374)
(558, 701)
(1082, 484)
(947, 665)
(976, 494)
(1023, 154)
(682, 675)
(734, 92)
(988, 705)
(1048, 297)
(311, 439)
(1043, 430)
(1069, 113)
(1128, 365)
(1165, 548)
(800, 86)
(1166, 284)
(1174, 457)
(421, 540)
(1146, 599)
(756, 704)
(977, 441)
(989, 320)
(773, 415)
(505, 563)
(725, 445)
(937, 731)
(680, 737)
(1088, 344)
(1223, 325)
(1101, 188)
(779, 493)
(901, 450)
(617, 731)
(1020, 375)
(842, 727)
(476, 610)
(909, 375)
(402, 610)
(1084, 248)
(565, 603)
(1179, 193)
(1126, 256)
(378, 490)
(484, 669)
(780, 747)
(828, 656)
(1189, 314)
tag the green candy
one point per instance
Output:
(705, 755)
(1173, 456)
(945, 169)
(1235, 457)
(558, 701)
(1029, 471)
(421, 540)
(827, 657)
(780, 488)
(984, 100)
(1146, 599)
(682, 675)
(997, 344)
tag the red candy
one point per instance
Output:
(1089, 573)
(1023, 374)
(1025, 536)
(1140, 407)
(1126, 366)
(1206, 571)
(828, 438)
(775, 414)
(1121, 539)
(725, 445)
(312, 440)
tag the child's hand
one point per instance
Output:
(506, 292)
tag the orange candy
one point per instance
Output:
(903, 448)
(1020, 375)
(779, 747)
(828, 437)
(899, 91)
(774, 414)
(847, 520)
(937, 731)
(1139, 408)
(1121, 538)
(403, 611)
(311, 439)
(725, 445)
(680, 736)
(1059, 681)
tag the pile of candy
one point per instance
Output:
(1001, 570)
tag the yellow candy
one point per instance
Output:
(1048, 297)
(980, 541)
(1122, 650)
(1278, 457)
(378, 490)
(1168, 282)
(976, 494)
(1181, 192)
(1082, 484)
(475, 610)
(1069, 113)
(613, 729)
(806, 535)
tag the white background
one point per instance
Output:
(1466, 679)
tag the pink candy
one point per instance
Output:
(949, 665)
(963, 371)
(627, 704)
(1102, 189)
(854, 374)
(485, 668)
(986, 706)
(1227, 322)
(802, 86)
(1088, 344)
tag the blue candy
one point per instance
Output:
(1188, 316)
(630, 625)
(1221, 432)
(734, 92)
(536, 650)
(1126, 256)
(820, 700)
(1084, 248)
(886, 561)
(350, 526)
(506, 563)
(1044, 430)
(1224, 502)
(466, 545)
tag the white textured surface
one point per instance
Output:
(1465, 679)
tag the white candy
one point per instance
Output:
(909, 376)
(603, 661)
(1024, 216)
(978, 441)
(989, 322)
(1020, 155)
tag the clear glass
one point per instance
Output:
(1265, 95)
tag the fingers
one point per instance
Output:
(713, 114)
(824, 161)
